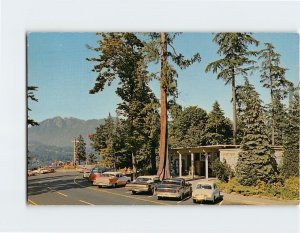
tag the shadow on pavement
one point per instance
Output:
(57, 183)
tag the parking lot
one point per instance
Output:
(70, 188)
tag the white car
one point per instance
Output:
(206, 191)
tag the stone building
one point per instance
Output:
(195, 161)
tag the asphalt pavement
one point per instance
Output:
(70, 188)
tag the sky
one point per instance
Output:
(57, 65)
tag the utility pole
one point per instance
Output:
(75, 151)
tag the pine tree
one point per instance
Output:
(92, 158)
(255, 161)
(236, 62)
(188, 129)
(80, 149)
(275, 120)
(291, 139)
(218, 127)
(31, 96)
(122, 57)
(103, 142)
(273, 78)
(168, 86)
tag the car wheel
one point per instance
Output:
(133, 192)
(194, 201)
(159, 198)
(99, 186)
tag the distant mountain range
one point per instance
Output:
(52, 139)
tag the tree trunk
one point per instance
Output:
(164, 169)
(272, 111)
(133, 166)
(234, 120)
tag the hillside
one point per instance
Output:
(60, 131)
(52, 139)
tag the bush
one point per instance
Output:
(289, 190)
(221, 170)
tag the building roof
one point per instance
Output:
(208, 148)
(202, 149)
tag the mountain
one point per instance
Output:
(52, 139)
(61, 132)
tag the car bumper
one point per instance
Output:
(102, 184)
(138, 189)
(202, 198)
(163, 194)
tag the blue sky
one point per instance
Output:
(57, 65)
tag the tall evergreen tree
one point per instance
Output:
(103, 142)
(92, 158)
(291, 139)
(168, 86)
(122, 56)
(275, 113)
(188, 129)
(235, 62)
(80, 149)
(255, 161)
(31, 96)
(273, 78)
(218, 127)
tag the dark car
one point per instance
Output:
(174, 188)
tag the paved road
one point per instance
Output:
(69, 188)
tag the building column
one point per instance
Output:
(192, 164)
(180, 165)
(206, 166)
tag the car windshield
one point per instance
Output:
(172, 182)
(142, 179)
(204, 186)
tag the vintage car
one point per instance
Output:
(96, 172)
(30, 173)
(174, 188)
(206, 191)
(143, 184)
(87, 173)
(111, 179)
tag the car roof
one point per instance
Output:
(148, 177)
(174, 179)
(112, 173)
(207, 182)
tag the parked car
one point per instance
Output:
(95, 172)
(206, 191)
(175, 187)
(143, 184)
(30, 173)
(111, 179)
(87, 173)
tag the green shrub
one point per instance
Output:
(289, 191)
(221, 170)
(291, 188)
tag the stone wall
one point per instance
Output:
(231, 156)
